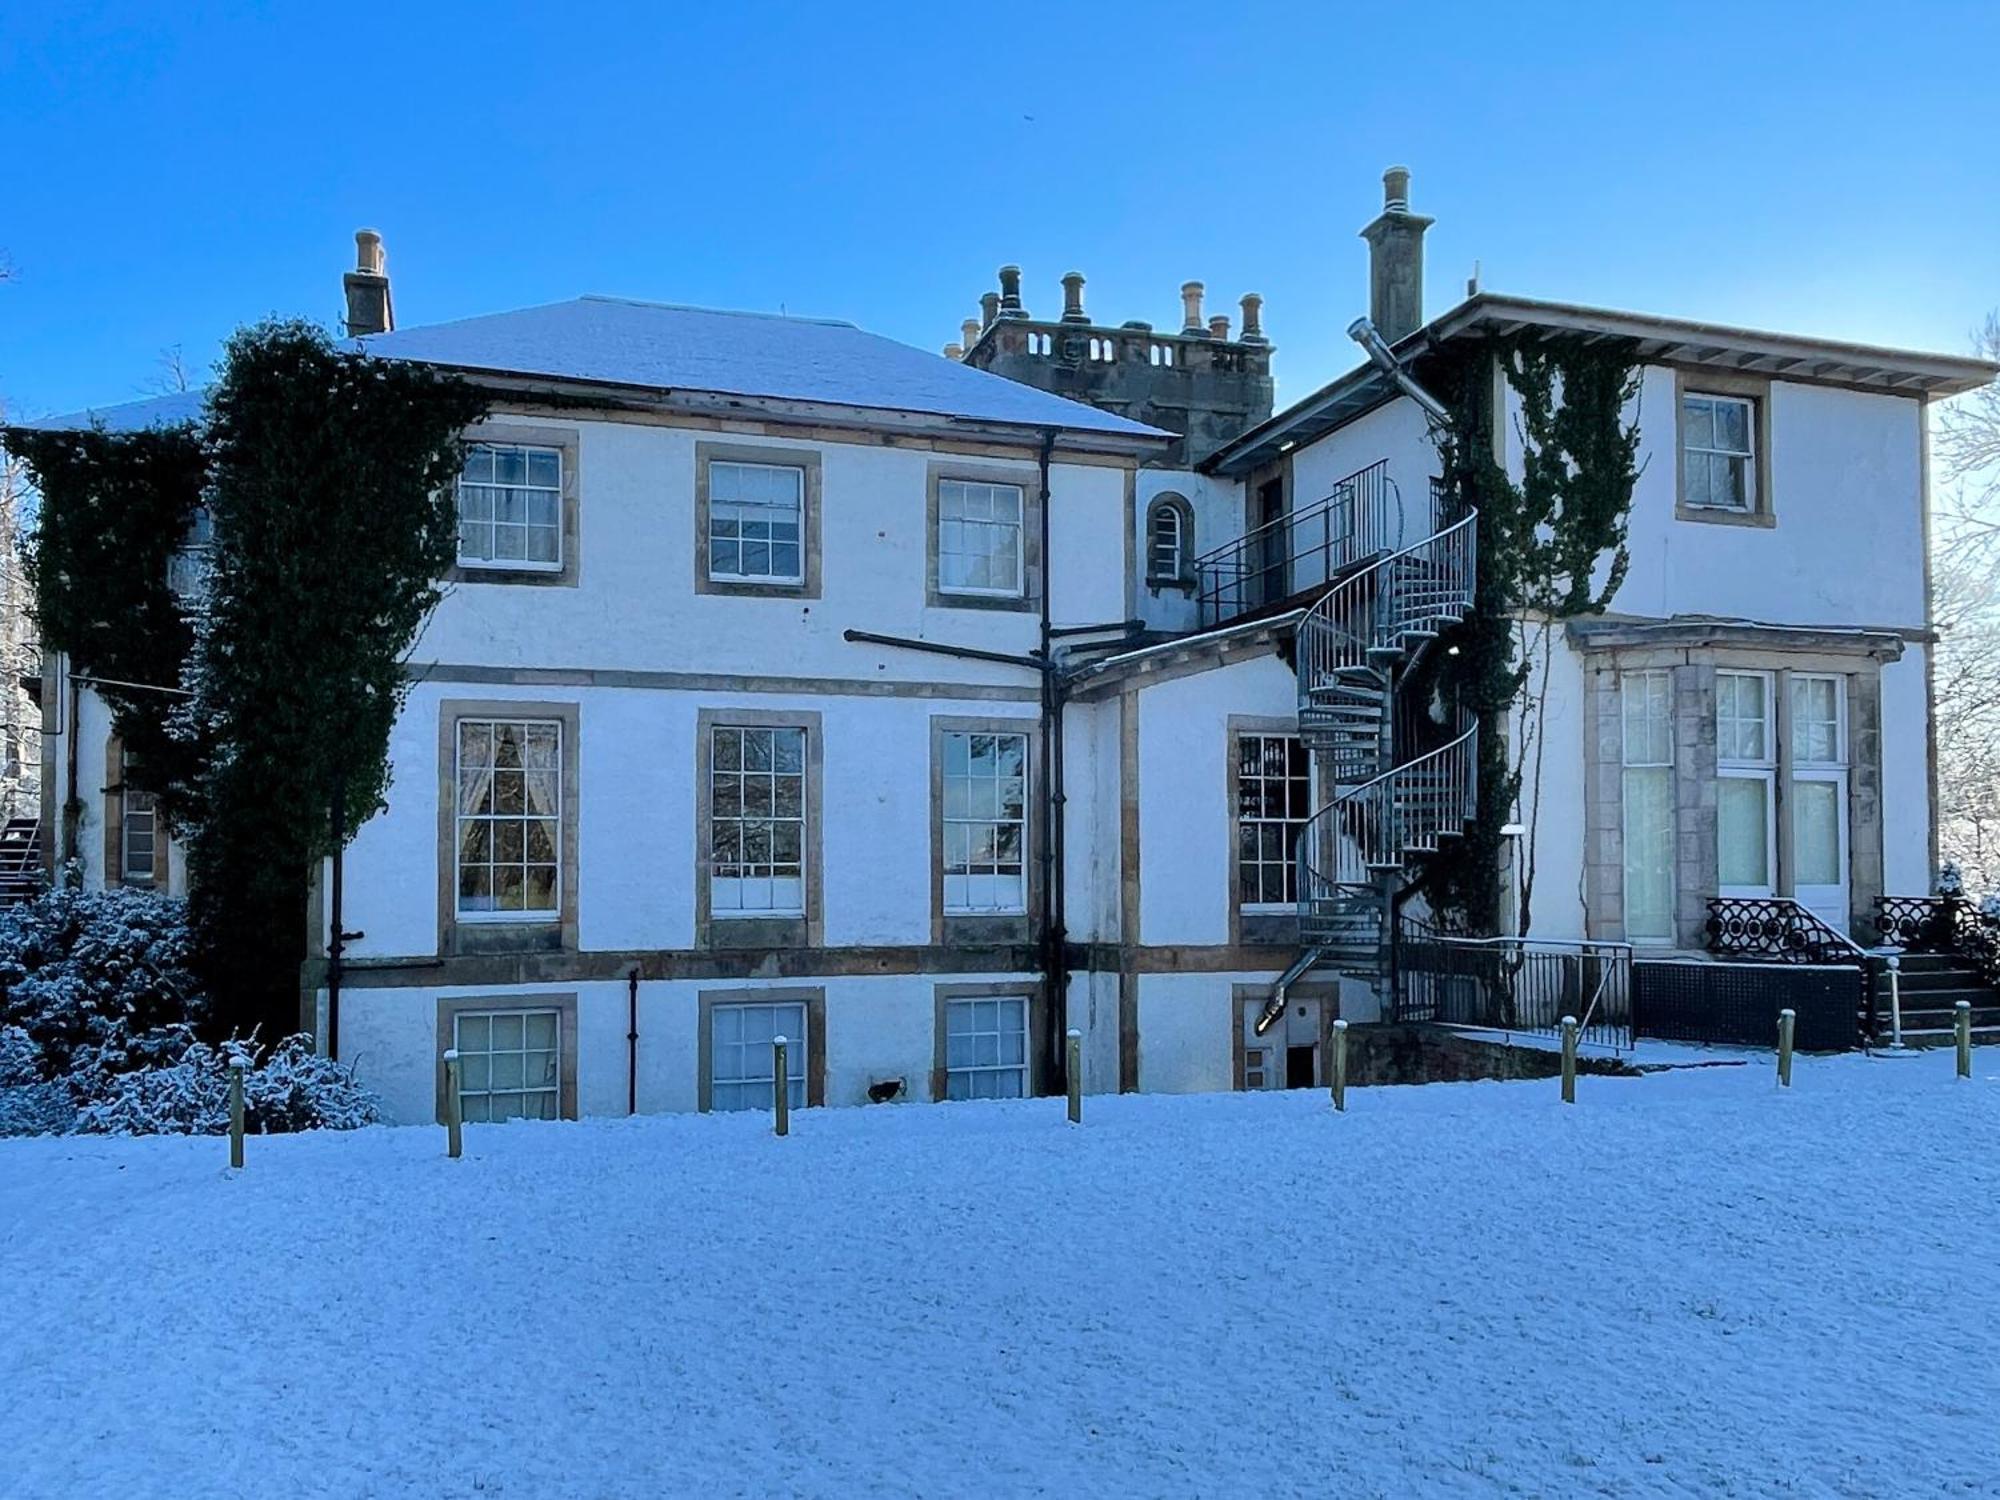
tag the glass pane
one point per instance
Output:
(1744, 816)
(1649, 853)
(1816, 831)
(1697, 422)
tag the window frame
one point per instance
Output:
(770, 456)
(566, 572)
(752, 929)
(511, 931)
(1755, 392)
(947, 995)
(117, 767)
(460, 819)
(1181, 576)
(812, 997)
(958, 927)
(450, 1007)
(1026, 479)
(1646, 761)
(1260, 921)
(1760, 768)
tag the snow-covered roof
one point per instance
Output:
(656, 347)
(129, 416)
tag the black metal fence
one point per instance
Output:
(1690, 1001)
(1515, 984)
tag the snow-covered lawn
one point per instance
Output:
(1686, 1284)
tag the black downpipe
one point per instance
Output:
(1055, 967)
(632, 1041)
(335, 944)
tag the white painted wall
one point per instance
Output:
(1906, 784)
(1185, 818)
(637, 797)
(1395, 431)
(876, 1028)
(1847, 494)
(1218, 520)
(636, 606)
(1555, 816)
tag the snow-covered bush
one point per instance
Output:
(1950, 879)
(98, 1013)
(1989, 908)
(99, 979)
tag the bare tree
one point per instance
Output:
(1965, 577)
(173, 376)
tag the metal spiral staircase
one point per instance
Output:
(1398, 778)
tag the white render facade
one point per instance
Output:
(652, 803)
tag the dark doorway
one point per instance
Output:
(1299, 1068)
(1269, 557)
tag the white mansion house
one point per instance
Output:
(795, 681)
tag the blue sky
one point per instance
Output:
(169, 172)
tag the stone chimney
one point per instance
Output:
(968, 333)
(1396, 260)
(1253, 318)
(1218, 327)
(1191, 307)
(369, 309)
(954, 351)
(989, 308)
(1010, 293)
(1073, 299)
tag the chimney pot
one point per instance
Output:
(989, 309)
(953, 351)
(1253, 318)
(1396, 260)
(369, 308)
(1010, 293)
(1191, 307)
(1073, 299)
(1218, 327)
(968, 332)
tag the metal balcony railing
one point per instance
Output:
(1361, 517)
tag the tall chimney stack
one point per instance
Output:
(1072, 285)
(369, 309)
(1010, 293)
(1191, 307)
(1396, 260)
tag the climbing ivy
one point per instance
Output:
(327, 475)
(1551, 547)
(114, 508)
(330, 484)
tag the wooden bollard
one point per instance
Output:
(235, 1111)
(781, 1094)
(1340, 1065)
(1787, 1020)
(1961, 1024)
(1569, 1059)
(1075, 1071)
(454, 1107)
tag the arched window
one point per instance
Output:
(1169, 541)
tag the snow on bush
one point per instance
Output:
(99, 979)
(292, 1088)
(1950, 879)
(98, 1012)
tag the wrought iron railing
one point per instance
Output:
(1417, 591)
(1779, 929)
(1362, 516)
(1374, 828)
(1515, 984)
(1941, 924)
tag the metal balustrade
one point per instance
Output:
(1515, 984)
(1302, 549)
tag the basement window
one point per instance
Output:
(510, 1064)
(986, 1048)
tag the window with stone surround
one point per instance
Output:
(1647, 784)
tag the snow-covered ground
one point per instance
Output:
(1687, 1284)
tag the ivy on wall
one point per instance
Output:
(327, 475)
(1551, 547)
(115, 507)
